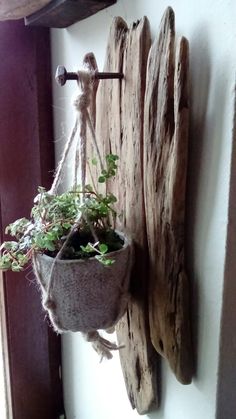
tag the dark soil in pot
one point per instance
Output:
(82, 238)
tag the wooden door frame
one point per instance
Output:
(26, 161)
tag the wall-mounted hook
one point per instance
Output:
(62, 75)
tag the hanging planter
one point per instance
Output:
(86, 295)
(81, 262)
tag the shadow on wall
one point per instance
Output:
(207, 93)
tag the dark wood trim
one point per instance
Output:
(26, 161)
(63, 13)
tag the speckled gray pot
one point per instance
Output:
(85, 294)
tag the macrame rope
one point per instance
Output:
(60, 167)
(81, 103)
(89, 122)
(85, 79)
(102, 346)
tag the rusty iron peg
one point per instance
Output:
(62, 75)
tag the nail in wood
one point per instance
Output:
(62, 75)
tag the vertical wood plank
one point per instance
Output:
(120, 109)
(108, 122)
(138, 358)
(108, 99)
(165, 163)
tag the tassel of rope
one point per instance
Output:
(102, 346)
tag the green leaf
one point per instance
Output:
(105, 261)
(83, 248)
(66, 226)
(112, 157)
(101, 179)
(10, 245)
(23, 260)
(18, 227)
(112, 198)
(108, 262)
(103, 248)
(50, 246)
(52, 217)
(87, 249)
(16, 267)
(51, 235)
(5, 262)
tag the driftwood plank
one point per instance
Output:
(119, 126)
(105, 115)
(138, 359)
(108, 105)
(165, 162)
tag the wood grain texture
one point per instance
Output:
(138, 358)
(17, 9)
(63, 13)
(165, 163)
(120, 109)
(108, 108)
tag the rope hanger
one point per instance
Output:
(85, 81)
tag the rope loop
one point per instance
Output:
(101, 345)
(81, 104)
(85, 82)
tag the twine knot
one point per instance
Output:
(82, 102)
(102, 346)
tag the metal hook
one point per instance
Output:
(62, 75)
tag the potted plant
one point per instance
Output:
(81, 262)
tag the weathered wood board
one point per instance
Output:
(148, 130)
(165, 163)
(108, 103)
(119, 126)
(138, 359)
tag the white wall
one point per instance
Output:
(97, 391)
